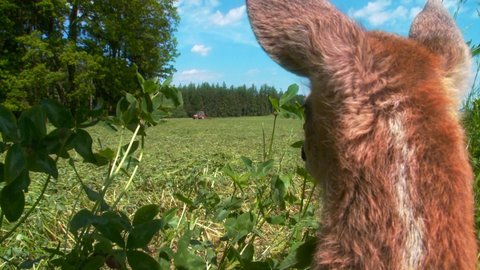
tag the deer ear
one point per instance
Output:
(436, 30)
(305, 36)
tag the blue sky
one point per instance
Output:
(217, 45)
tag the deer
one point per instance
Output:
(383, 135)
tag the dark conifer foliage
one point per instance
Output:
(75, 51)
(221, 101)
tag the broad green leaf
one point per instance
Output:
(95, 196)
(172, 94)
(141, 261)
(170, 218)
(184, 259)
(32, 124)
(130, 115)
(82, 141)
(265, 167)
(15, 163)
(107, 153)
(112, 226)
(248, 163)
(167, 81)
(142, 234)
(157, 116)
(41, 162)
(57, 142)
(103, 246)
(27, 130)
(150, 86)
(81, 219)
(122, 105)
(165, 255)
(298, 144)
(130, 98)
(117, 260)
(239, 227)
(300, 255)
(183, 199)
(248, 252)
(277, 220)
(133, 148)
(146, 104)
(145, 214)
(93, 263)
(292, 111)
(12, 202)
(279, 189)
(8, 124)
(140, 79)
(275, 104)
(58, 115)
(290, 94)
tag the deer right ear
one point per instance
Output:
(306, 36)
(436, 30)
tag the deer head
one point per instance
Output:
(381, 133)
(311, 38)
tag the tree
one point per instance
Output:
(78, 50)
(222, 101)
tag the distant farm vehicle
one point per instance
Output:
(199, 115)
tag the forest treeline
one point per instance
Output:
(76, 51)
(81, 51)
(222, 101)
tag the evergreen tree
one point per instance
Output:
(222, 101)
(78, 50)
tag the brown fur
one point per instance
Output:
(382, 134)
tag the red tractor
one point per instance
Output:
(199, 115)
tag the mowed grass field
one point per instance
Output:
(183, 169)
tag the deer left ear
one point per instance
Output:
(436, 29)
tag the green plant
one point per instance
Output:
(471, 121)
(263, 199)
(102, 234)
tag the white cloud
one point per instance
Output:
(205, 20)
(414, 12)
(201, 49)
(381, 12)
(232, 17)
(195, 76)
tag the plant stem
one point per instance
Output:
(119, 147)
(304, 187)
(309, 201)
(130, 180)
(273, 136)
(134, 136)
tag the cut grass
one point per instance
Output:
(183, 156)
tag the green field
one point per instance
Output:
(183, 170)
